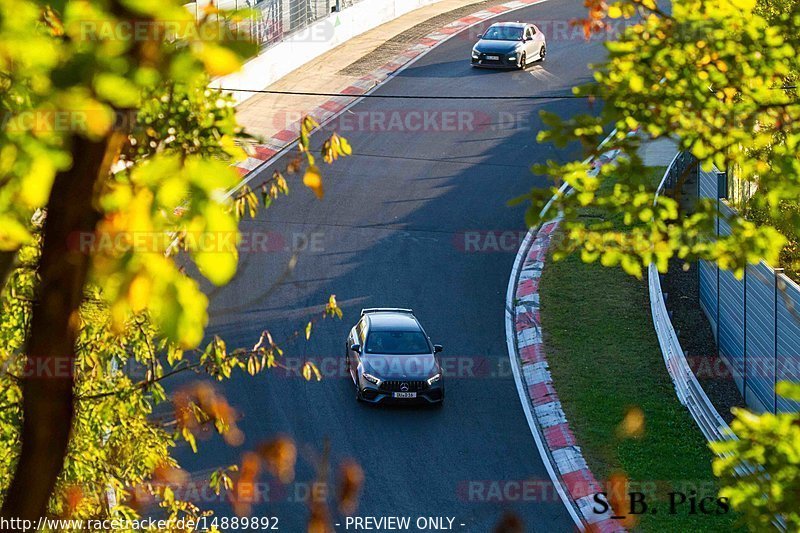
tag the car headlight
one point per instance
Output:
(512, 56)
(434, 378)
(475, 54)
(371, 378)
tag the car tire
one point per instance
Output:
(522, 61)
(347, 363)
(542, 53)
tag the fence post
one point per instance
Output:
(722, 192)
(744, 352)
(778, 272)
(719, 352)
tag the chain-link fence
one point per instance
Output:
(271, 21)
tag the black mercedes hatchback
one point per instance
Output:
(391, 359)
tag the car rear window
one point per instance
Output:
(397, 342)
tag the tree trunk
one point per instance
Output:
(47, 385)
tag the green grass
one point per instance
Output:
(605, 359)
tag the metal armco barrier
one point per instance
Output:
(687, 388)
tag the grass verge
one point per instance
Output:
(605, 361)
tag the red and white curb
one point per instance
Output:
(366, 84)
(571, 472)
(562, 457)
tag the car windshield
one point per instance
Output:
(503, 33)
(397, 343)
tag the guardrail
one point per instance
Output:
(688, 389)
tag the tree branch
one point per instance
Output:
(139, 385)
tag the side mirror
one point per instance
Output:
(356, 348)
(437, 348)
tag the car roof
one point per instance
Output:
(392, 321)
(511, 24)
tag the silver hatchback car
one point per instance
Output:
(509, 45)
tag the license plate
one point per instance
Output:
(404, 395)
(493, 58)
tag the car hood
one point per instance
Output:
(488, 46)
(392, 367)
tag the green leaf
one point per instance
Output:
(790, 391)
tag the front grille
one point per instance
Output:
(502, 61)
(397, 386)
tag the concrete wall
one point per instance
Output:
(313, 41)
(747, 328)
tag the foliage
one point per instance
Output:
(117, 444)
(718, 77)
(710, 74)
(772, 444)
(133, 74)
(787, 222)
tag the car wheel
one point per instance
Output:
(542, 53)
(522, 61)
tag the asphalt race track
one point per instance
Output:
(414, 219)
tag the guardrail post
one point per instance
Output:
(778, 272)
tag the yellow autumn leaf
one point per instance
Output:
(35, 186)
(139, 293)
(12, 233)
(219, 61)
(309, 370)
(346, 149)
(313, 180)
(632, 425)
